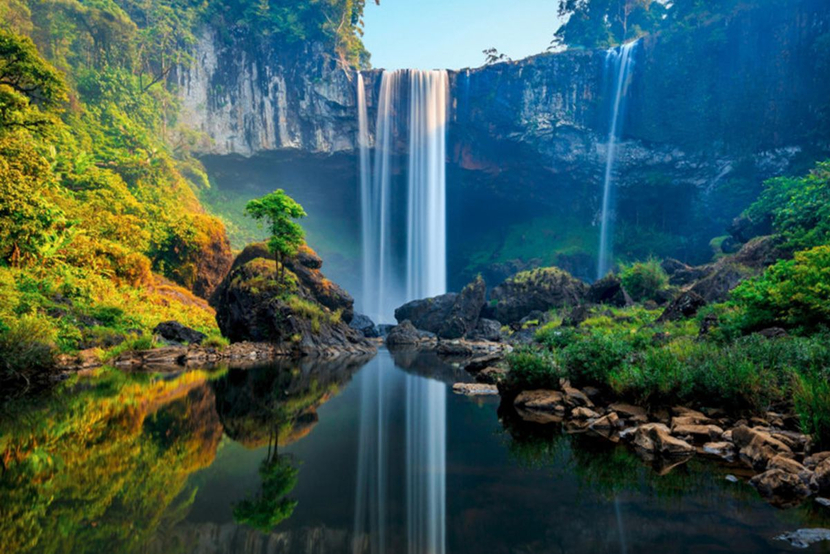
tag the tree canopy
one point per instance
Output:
(279, 210)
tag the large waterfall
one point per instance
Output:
(404, 258)
(619, 63)
(403, 220)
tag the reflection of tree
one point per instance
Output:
(270, 506)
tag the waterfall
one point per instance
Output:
(404, 258)
(403, 223)
(619, 63)
(426, 217)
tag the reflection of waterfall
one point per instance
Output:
(404, 222)
(370, 518)
(619, 63)
(426, 409)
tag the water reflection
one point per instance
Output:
(269, 461)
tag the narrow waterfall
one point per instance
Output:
(426, 217)
(619, 63)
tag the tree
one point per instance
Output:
(493, 56)
(606, 23)
(279, 210)
(270, 506)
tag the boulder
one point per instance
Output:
(744, 228)
(722, 449)
(608, 422)
(683, 307)
(803, 538)
(404, 334)
(449, 316)
(575, 398)
(365, 326)
(822, 471)
(475, 389)
(486, 330)
(609, 290)
(757, 446)
(814, 460)
(537, 290)
(780, 487)
(584, 413)
(656, 439)
(698, 433)
(306, 312)
(175, 332)
(627, 411)
(491, 375)
(576, 317)
(541, 400)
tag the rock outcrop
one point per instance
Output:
(536, 290)
(449, 316)
(307, 312)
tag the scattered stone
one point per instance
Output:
(177, 333)
(780, 487)
(698, 433)
(543, 400)
(454, 349)
(491, 375)
(486, 330)
(576, 317)
(725, 450)
(542, 418)
(362, 324)
(575, 397)
(656, 438)
(404, 334)
(823, 501)
(815, 459)
(608, 422)
(823, 476)
(732, 479)
(803, 538)
(757, 446)
(584, 413)
(627, 433)
(475, 389)
(609, 290)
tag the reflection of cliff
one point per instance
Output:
(280, 398)
(211, 538)
(98, 469)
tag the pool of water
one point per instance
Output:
(371, 457)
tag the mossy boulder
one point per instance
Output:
(450, 316)
(536, 290)
(305, 312)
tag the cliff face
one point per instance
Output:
(712, 112)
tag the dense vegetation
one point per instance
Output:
(100, 225)
(715, 359)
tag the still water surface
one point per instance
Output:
(346, 457)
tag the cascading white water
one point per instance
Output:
(390, 280)
(619, 63)
(426, 216)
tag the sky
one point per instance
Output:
(450, 34)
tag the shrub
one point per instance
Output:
(27, 346)
(792, 293)
(533, 369)
(591, 360)
(644, 280)
(553, 335)
(812, 404)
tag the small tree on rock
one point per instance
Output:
(280, 211)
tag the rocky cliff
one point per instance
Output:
(713, 111)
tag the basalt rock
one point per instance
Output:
(683, 307)
(609, 290)
(365, 326)
(175, 332)
(537, 290)
(450, 316)
(404, 334)
(486, 330)
(305, 312)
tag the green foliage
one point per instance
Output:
(270, 506)
(27, 344)
(792, 293)
(812, 404)
(644, 280)
(799, 208)
(592, 359)
(604, 23)
(279, 210)
(531, 369)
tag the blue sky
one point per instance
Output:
(450, 34)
